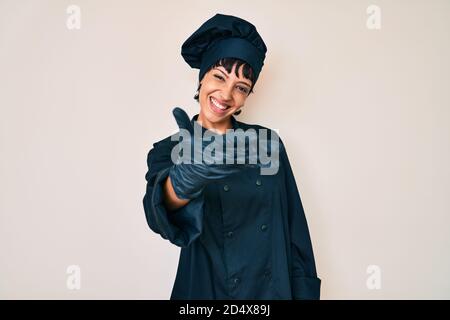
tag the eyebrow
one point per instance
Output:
(228, 77)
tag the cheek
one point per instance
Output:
(240, 99)
(203, 97)
(208, 88)
(205, 92)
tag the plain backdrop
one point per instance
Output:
(364, 114)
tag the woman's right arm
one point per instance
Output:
(171, 201)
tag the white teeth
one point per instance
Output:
(218, 105)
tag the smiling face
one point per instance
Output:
(222, 94)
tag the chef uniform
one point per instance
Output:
(245, 236)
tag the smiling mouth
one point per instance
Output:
(217, 107)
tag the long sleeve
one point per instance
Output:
(305, 283)
(181, 227)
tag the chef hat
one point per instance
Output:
(224, 36)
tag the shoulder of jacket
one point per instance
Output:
(162, 149)
(245, 126)
(257, 127)
(167, 141)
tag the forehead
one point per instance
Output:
(233, 74)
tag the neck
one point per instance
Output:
(219, 127)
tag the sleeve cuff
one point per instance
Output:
(306, 288)
(182, 226)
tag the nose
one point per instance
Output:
(226, 92)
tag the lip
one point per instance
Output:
(220, 101)
(215, 109)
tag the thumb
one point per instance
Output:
(182, 119)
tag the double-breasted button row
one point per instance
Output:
(230, 234)
(235, 281)
(227, 187)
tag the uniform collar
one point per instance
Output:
(234, 122)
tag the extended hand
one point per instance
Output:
(189, 176)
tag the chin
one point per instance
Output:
(212, 117)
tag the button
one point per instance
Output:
(230, 234)
(226, 187)
(236, 281)
(264, 227)
(258, 182)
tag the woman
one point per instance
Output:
(243, 235)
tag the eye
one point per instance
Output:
(243, 89)
(219, 77)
